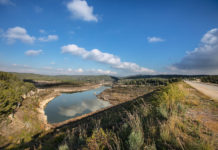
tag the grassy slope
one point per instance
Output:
(163, 119)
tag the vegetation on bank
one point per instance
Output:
(211, 79)
(158, 120)
(11, 91)
(149, 81)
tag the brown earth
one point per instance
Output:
(121, 93)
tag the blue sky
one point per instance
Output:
(116, 37)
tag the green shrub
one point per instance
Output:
(63, 147)
(136, 137)
(11, 91)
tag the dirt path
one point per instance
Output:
(207, 89)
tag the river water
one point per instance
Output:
(70, 105)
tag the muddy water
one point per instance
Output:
(70, 105)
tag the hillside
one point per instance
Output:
(12, 90)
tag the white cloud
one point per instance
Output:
(33, 52)
(203, 59)
(49, 38)
(80, 70)
(52, 63)
(105, 72)
(106, 58)
(6, 2)
(81, 10)
(154, 39)
(18, 33)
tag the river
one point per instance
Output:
(71, 105)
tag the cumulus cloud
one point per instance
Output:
(6, 2)
(49, 38)
(203, 59)
(18, 33)
(81, 10)
(154, 39)
(106, 58)
(87, 72)
(33, 52)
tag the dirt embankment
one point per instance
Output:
(122, 93)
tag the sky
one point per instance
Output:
(110, 37)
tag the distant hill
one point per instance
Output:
(66, 78)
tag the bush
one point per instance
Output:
(136, 137)
(63, 147)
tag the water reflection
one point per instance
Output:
(78, 108)
(67, 106)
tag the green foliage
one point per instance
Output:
(98, 140)
(63, 147)
(135, 140)
(167, 100)
(11, 91)
(212, 79)
(149, 81)
(136, 137)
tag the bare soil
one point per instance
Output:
(121, 93)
